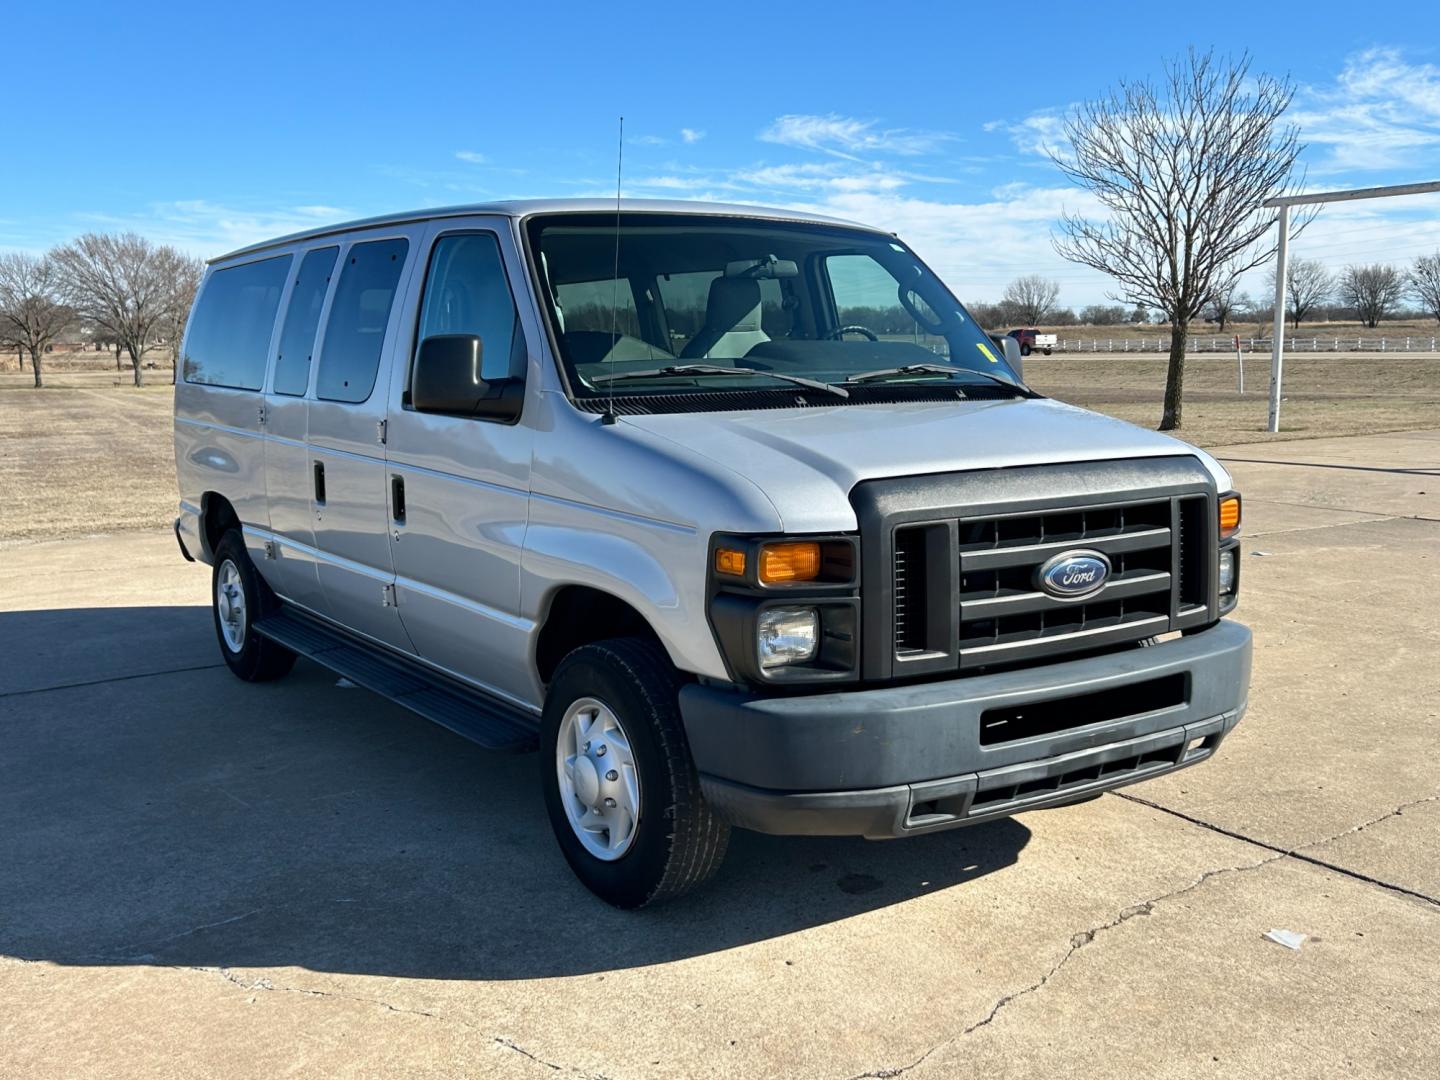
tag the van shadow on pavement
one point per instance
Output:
(187, 818)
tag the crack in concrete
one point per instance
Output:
(1297, 853)
(1078, 941)
(266, 985)
(148, 951)
(108, 679)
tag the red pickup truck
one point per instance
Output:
(1031, 339)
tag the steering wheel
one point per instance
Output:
(837, 334)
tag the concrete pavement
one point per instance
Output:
(199, 876)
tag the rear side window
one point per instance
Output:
(302, 319)
(359, 314)
(229, 336)
(467, 292)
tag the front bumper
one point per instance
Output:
(188, 534)
(909, 759)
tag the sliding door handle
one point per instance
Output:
(320, 483)
(397, 499)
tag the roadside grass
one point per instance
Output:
(91, 454)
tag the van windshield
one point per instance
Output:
(752, 298)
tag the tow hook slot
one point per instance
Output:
(937, 802)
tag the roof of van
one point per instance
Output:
(517, 208)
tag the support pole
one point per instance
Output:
(1277, 346)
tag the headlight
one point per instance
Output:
(1227, 572)
(787, 635)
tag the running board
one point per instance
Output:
(493, 724)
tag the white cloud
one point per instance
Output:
(471, 156)
(1381, 113)
(691, 135)
(1042, 132)
(647, 140)
(206, 228)
(848, 137)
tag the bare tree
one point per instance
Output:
(1031, 298)
(32, 311)
(182, 274)
(1182, 170)
(1372, 291)
(1102, 315)
(119, 283)
(1308, 285)
(1223, 305)
(1424, 282)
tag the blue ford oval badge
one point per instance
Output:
(1073, 573)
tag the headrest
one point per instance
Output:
(733, 304)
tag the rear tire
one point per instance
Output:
(239, 596)
(647, 835)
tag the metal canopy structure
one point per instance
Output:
(1277, 347)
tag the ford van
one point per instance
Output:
(735, 515)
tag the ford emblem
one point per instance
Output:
(1073, 573)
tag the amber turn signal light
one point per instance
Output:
(730, 561)
(1229, 516)
(780, 563)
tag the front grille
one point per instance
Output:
(1003, 613)
(962, 555)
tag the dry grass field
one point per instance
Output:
(85, 455)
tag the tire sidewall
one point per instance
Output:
(597, 672)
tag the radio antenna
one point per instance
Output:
(608, 417)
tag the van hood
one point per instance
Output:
(807, 460)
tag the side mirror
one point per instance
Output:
(1011, 349)
(446, 379)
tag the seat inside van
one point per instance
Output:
(732, 321)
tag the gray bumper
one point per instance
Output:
(909, 759)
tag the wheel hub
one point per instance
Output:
(599, 783)
(587, 781)
(230, 605)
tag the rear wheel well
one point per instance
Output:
(580, 615)
(217, 517)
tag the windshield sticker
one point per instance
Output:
(986, 350)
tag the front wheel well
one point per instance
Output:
(579, 615)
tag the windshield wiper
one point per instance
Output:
(880, 374)
(686, 370)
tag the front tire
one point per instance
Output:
(620, 786)
(239, 596)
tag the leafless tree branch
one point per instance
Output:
(32, 309)
(1181, 169)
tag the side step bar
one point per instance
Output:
(493, 724)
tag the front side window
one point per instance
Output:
(756, 299)
(229, 338)
(302, 319)
(359, 314)
(467, 292)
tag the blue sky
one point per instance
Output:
(210, 126)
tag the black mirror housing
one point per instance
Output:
(446, 379)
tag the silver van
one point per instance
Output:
(734, 513)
